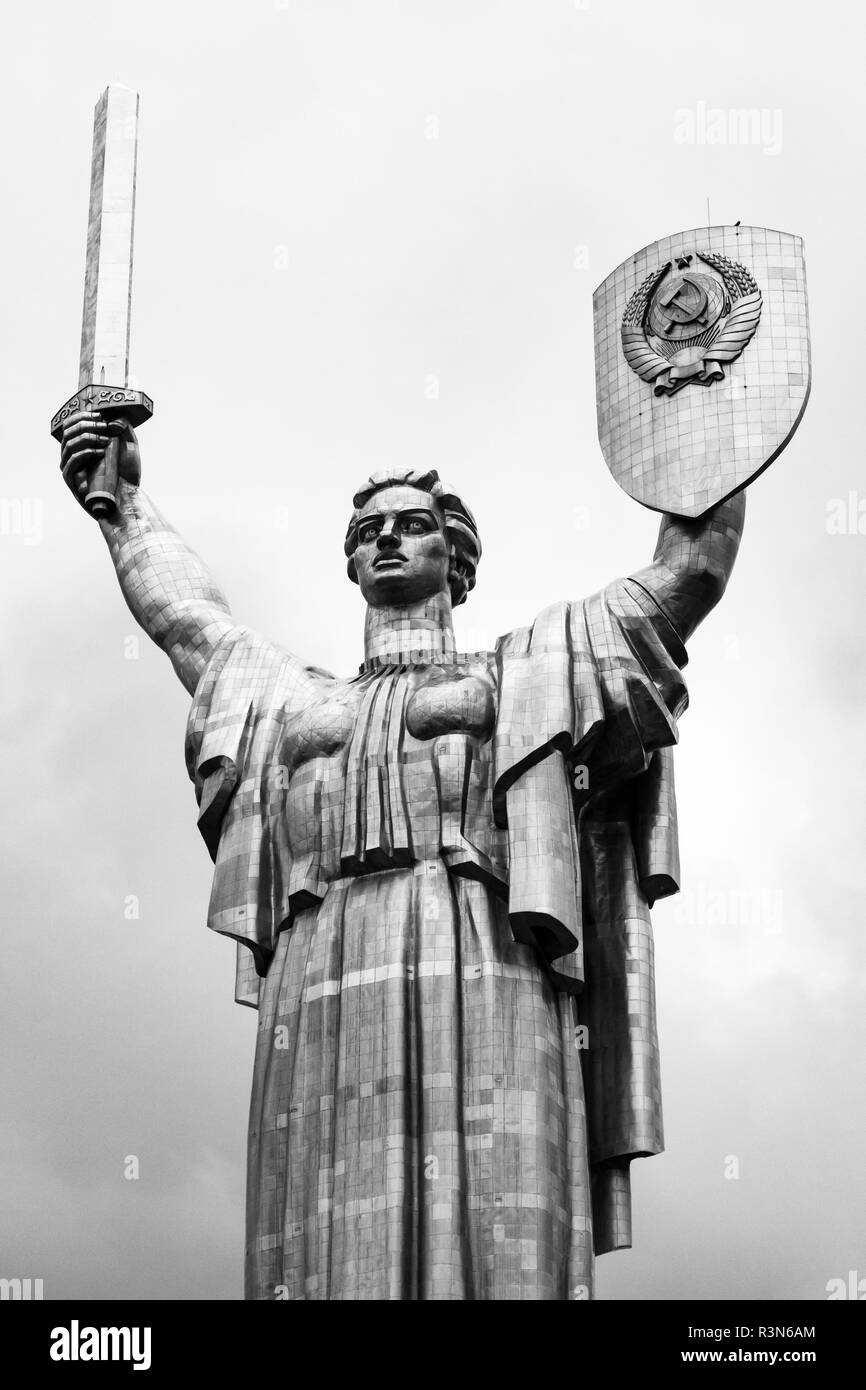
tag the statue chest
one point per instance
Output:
(417, 704)
(383, 771)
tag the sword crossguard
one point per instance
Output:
(111, 402)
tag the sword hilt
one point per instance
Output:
(111, 402)
(101, 496)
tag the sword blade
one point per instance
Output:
(110, 227)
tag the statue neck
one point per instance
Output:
(408, 634)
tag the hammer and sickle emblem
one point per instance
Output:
(685, 301)
(696, 323)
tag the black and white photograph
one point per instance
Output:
(433, 539)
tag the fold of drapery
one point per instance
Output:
(589, 699)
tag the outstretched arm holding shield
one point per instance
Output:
(693, 562)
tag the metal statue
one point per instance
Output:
(439, 870)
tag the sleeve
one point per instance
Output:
(248, 690)
(590, 696)
(589, 701)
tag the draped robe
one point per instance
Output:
(439, 877)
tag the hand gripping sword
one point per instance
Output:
(103, 376)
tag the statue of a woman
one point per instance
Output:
(439, 873)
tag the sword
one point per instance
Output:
(103, 375)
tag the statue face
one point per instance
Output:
(403, 553)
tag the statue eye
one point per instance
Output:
(369, 532)
(415, 526)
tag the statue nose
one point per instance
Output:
(387, 537)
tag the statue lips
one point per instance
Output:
(387, 564)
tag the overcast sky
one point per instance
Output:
(368, 235)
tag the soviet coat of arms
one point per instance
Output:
(679, 328)
(720, 307)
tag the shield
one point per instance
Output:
(702, 363)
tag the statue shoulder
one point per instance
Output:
(551, 629)
(247, 666)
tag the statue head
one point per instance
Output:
(409, 539)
